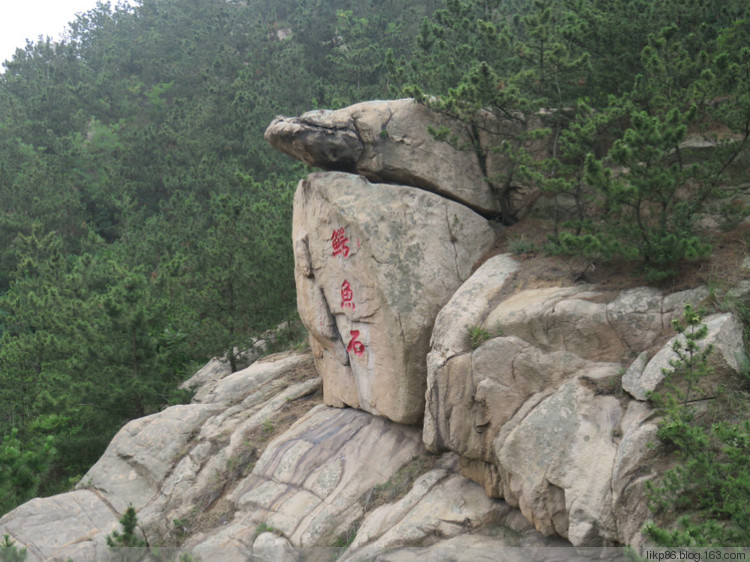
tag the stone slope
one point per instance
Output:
(256, 452)
(169, 465)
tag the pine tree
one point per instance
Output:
(128, 546)
(704, 500)
(9, 552)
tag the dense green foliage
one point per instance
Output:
(708, 491)
(144, 221)
(619, 86)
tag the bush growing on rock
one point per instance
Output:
(126, 543)
(708, 492)
(9, 552)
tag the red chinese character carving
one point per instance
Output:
(347, 295)
(338, 241)
(355, 345)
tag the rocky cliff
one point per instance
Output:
(448, 400)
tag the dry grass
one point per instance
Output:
(398, 485)
(540, 269)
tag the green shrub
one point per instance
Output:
(265, 528)
(705, 499)
(127, 545)
(478, 335)
(345, 539)
(9, 552)
(521, 245)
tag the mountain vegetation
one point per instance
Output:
(145, 224)
(619, 87)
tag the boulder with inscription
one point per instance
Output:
(374, 264)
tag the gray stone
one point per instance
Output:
(72, 525)
(206, 378)
(387, 141)
(556, 464)
(310, 482)
(725, 335)
(142, 454)
(439, 504)
(270, 546)
(468, 307)
(538, 414)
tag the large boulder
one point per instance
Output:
(594, 324)
(536, 409)
(392, 141)
(555, 460)
(388, 141)
(374, 264)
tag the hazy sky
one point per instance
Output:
(28, 19)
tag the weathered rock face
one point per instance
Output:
(538, 413)
(308, 484)
(724, 337)
(441, 505)
(537, 396)
(208, 478)
(178, 452)
(387, 141)
(71, 525)
(374, 264)
(483, 546)
(170, 466)
(312, 486)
